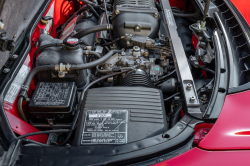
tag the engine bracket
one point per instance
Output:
(182, 67)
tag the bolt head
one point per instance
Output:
(6, 70)
(14, 56)
(192, 99)
(189, 86)
(156, 15)
(117, 12)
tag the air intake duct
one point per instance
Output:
(137, 78)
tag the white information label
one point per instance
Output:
(17, 84)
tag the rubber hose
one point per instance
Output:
(112, 42)
(93, 11)
(170, 97)
(92, 53)
(35, 71)
(90, 30)
(20, 109)
(183, 15)
(207, 70)
(25, 140)
(176, 116)
(95, 63)
(42, 48)
(44, 132)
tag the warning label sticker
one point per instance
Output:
(105, 127)
(17, 84)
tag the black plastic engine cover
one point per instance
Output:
(120, 115)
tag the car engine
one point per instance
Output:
(118, 72)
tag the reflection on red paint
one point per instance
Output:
(243, 133)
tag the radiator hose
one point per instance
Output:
(90, 30)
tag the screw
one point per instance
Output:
(189, 86)
(13, 57)
(156, 15)
(6, 70)
(117, 12)
(192, 99)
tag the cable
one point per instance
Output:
(112, 42)
(97, 28)
(166, 76)
(97, 80)
(25, 140)
(207, 70)
(72, 128)
(44, 132)
(170, 97)
(105, 8)
(93, 10)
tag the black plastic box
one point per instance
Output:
(53, 99)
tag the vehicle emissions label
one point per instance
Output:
(105, 127)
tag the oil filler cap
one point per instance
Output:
(71, 42)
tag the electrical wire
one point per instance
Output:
(170, 97)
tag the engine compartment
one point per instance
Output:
(112, 80)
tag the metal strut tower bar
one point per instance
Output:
(182, 67)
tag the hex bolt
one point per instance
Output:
(13, 57)
(6, 70)
(192, 99)
(156, 15)
(117, 12)
(189, 86)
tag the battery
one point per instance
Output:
(53, 98)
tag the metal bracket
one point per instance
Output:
(182, 67)
(6, 44)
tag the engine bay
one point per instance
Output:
(120, 74)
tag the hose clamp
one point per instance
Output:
(108, 26)
(25, 88)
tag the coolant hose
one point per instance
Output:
(42, 48)
(184, 15)
(97, 28)
(95, 63)
(176, 116)
(20, 109)
(33, 72)
(87, 52)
